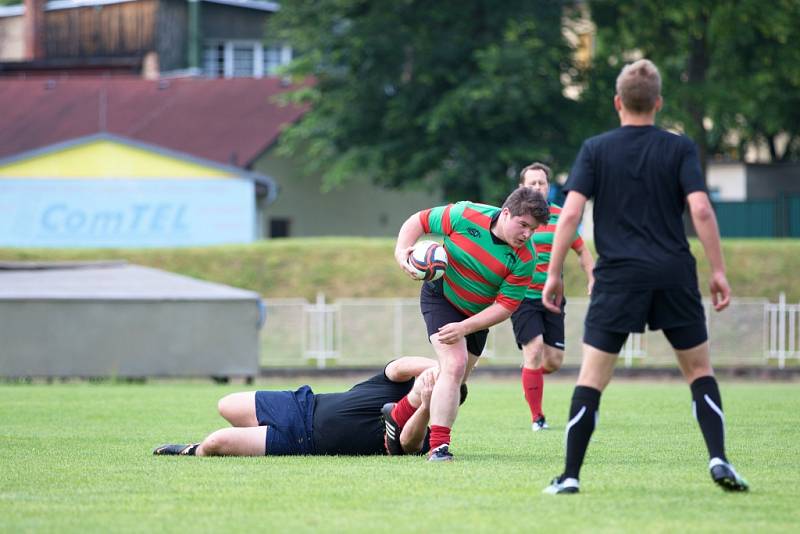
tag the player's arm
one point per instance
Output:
(490, 316)
(705, 224)
(408, 367)
(412, 437)
(568, 222)
(409, 233)
(587, 264)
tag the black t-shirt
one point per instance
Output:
(639, 177)
(350, 423)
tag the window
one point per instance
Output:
(279, 227)
(241, 59)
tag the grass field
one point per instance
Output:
(756, 267)
(77, 457)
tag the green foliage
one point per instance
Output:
(731, 78)
(455, 95)
(365, 267)
(77, 458)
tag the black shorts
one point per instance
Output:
(437, 312)
(289, 416)
(678, 311)
(532, 319)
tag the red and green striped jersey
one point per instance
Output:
(481, 269)
(543, 242)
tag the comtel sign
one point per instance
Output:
(125, 213)
(105, 190)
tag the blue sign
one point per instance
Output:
(125, 213)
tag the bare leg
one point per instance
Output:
(445, 397)
(250, 441)
(239, 409)
(597, 368)
(695, 362)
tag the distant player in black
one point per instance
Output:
(302, 422)
(641, 177)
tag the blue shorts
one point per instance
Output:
(289, 416)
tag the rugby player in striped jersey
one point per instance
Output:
(538, 331)
(490, 263)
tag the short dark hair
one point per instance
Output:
(526, 201)
(639, 86)
(535, 166)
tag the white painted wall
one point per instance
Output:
(727, 181)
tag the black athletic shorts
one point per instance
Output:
(678, 311)
(532, 319)
(289, 417)
(437, 312)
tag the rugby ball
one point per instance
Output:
(428, 260)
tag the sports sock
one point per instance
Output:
(582, 419)
(533, 388)
(707, 408)
(402, 411)
(439, 436)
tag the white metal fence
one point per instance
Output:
(361, 332)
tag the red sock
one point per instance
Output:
(533, 387)
(402, 411)
(439, 436)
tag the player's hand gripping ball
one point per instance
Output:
(428, 260)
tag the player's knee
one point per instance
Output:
(553, 359)
(214, 444)
(532, 353)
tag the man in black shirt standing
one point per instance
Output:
(304, 423)
(640, 178)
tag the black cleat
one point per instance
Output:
(726, 476)
(391, 436)
(441, 454)
(176, 449)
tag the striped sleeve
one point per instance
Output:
(439, 220)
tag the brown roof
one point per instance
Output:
(229, 121)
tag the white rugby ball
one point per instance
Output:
(428, 260)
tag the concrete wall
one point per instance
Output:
(86, 320)
(773, 180)
(357, 209)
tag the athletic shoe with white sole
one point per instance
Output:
(563, 487)
(441, 454)
(539, 424)
(726, 476)
(174, 449)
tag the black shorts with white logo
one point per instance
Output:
(532, 319)
(678, 311)
(437, 312)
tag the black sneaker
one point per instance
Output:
(391, 436)
(176, 450)
(726, 476)
(563, 487)
(441, 454)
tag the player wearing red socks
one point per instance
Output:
(539, 332)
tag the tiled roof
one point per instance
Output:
(229, 121)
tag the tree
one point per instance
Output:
(731, 76)
(457, 95)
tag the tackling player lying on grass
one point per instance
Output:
(301, 422)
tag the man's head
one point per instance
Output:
(639, 88)
(537, 177)
(523, 212)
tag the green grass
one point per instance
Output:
(365, 267)
(77, 457)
